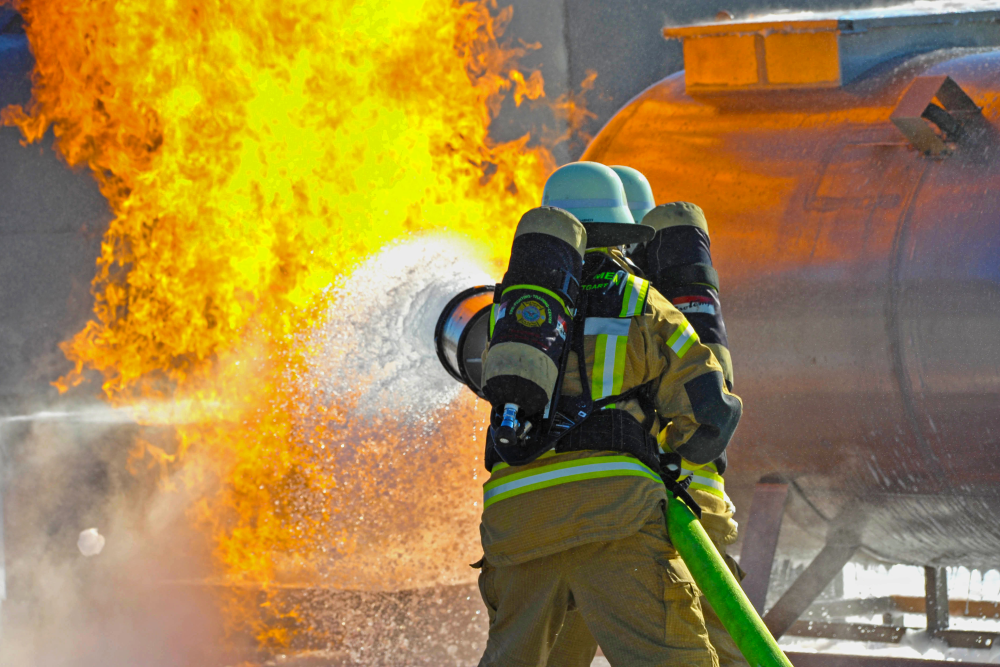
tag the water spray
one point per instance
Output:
(377, 338)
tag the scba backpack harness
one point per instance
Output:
(541, 312)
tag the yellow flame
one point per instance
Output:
(253, 153)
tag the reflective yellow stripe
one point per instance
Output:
(701, 469)
(682, 339)
(634, 298)
(697, 484)
(536, 288)
(597, 372)
(710, 478)
(621, 345)
(612, 340)
(609, 366)
(543, 477)
(692, 339)
(609, 354)
(704, 479)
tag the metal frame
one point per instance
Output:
(804, 590)
(936, 598)
(767, 509)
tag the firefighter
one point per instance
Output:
(682, 226)
(682, 269)
(582, 527)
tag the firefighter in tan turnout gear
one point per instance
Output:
(678, 261)
(573, 509)
(681, 243)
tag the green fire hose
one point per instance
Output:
(721, 589)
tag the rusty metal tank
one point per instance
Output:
(848, 167)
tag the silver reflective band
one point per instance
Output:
(572, 471)
(704, 481)
(678, 344)
(611, 326)
(584, 203)
(633, 297)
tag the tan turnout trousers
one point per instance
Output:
(575, 646)
(635, 593)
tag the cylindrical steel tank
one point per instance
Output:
(861, 284)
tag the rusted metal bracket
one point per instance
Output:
(782, 617)
(967, 638)
(887, 634)
(767, 508)
(822, 619)
(935, 114)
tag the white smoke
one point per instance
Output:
(379, 336)
(98, 598)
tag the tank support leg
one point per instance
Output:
(936, 598)
(767, 508)
(807, 587)
(843, 539)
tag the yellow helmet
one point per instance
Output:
(595, 195)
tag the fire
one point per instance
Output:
(253, 154)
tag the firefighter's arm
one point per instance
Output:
(691, 394)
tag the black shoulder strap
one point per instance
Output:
(639, 392)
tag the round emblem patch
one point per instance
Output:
(530, 314)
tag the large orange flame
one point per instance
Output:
(253, 153)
